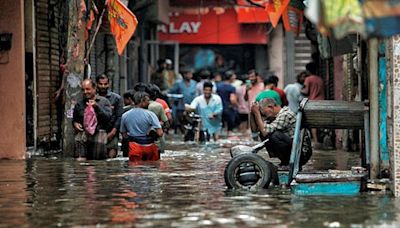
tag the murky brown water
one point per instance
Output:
(185, 189)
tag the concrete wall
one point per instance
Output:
(12, 82)
(276, 51)
(395, 69)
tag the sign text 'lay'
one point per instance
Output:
(185, 27)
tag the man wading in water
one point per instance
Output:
(103, 89)
(142, 128)
(90, 119)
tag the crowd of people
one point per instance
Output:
(253, 105)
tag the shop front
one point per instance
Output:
(217, 38)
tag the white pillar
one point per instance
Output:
(395, 71)
(374, 106)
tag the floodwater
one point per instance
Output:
(185, 189)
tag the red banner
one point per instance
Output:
(247, 13)
(211, 26)
(122, 22)
(276, 12)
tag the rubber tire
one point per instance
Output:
(240, 149)
(248, 179)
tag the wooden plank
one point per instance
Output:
(45, 83)
(42, 20)
(40, 12)
(43, 66)
(43, 32)
(326, 188)
(327, 177)
(334, 114)
(40, 4)
(44, 124)
(44, 95)
(43, 89)
(44, 99)
(43, 51)
(43, 112)
(44, 118)
(43, 56)
(55, 53)
(43, 130)
(42, 44)
(43, 62)
(43, 39)
(55, 60)
(41, 26)
(54, 31)
(45, 78)
(43, 72)
(44, 105)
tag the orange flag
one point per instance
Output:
(279, 7)
(122, 22)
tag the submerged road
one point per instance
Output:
(185, 189)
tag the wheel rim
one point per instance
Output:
(248, 174)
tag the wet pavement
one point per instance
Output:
(185, 189)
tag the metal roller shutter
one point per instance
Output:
(47, 62)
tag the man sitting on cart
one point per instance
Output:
(280, 130)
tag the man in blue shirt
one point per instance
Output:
(293, 92)
(141, 127)
(229, 101)
(186, 87)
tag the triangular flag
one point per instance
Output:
(279, 6)
(123, 23)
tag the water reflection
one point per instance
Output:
(184, 189)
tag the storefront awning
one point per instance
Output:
(252, 14)
(211, 25)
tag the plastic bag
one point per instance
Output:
(90, 120)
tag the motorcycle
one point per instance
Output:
(194, 131)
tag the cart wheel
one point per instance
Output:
(248, 171)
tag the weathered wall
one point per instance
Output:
(394, 57)
(12, 83)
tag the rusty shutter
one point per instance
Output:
(47, 62)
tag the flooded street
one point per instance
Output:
(185, 189)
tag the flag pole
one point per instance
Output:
(96, 31)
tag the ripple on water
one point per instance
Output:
(185, 189)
